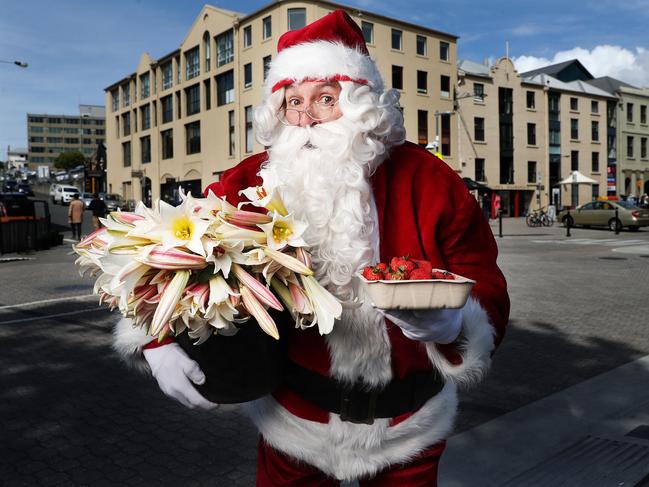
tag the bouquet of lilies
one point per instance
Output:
(207, 266)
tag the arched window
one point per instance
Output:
(207, 50)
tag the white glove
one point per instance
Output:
(427, 325)
(175, 372)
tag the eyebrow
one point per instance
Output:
(324, 84)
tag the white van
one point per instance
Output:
(63, 194)
(53, 191)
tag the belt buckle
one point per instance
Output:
(346, 404)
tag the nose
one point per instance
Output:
(305, 121)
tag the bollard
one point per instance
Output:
(617, 220)
(568, 222)
(500, 223)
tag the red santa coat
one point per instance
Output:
(424, 211)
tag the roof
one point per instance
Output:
(577, 86)
(473, 68)
(609, 84)
(558, 69)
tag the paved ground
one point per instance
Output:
(73, 415)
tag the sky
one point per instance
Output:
(77, 48)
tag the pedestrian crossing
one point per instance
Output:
(607, 242)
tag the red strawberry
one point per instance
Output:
(372, 273)
(423, 264)
(382, 266)
(395, 276)
(444, 275)
(402, 264)
(418, 274)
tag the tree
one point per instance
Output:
(68, 160)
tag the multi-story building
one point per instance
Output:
(631, 175)
(49, 135)
(16, 158)
(523, 134)
(182, 119)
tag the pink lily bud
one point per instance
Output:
(261, 292)
(255, 308)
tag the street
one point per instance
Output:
(72, 414)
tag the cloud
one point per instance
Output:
(618, 62)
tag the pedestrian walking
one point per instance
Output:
(75, 216)
(98, 208)
(486, 205)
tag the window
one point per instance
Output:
(167, 75)
(126, 153)
(248, 111)
(126, 123)
(116, 125)
(446, 134)
(178, 78)
(422, 82)
(397, 77)
(36, 139)
(594, 131)
(422, 47)
(145, 86)
(193, 99)
(167, 109)
(531, 171)
(397, 37)
(247, 75)
(594, 106)
(208, 94)
(167, 138)
(193, 137)
(247, 36)
(155, 115)
(296, 18)
(478, 129)
(531, 100)
(267, 24)
(531, 134)
(594, 162)
(368, 32)
(643, 148)
(145, 116)
(444, 48)
(40, 119)
(479, 170)
(54, 140)
(224, 48)
(231, 132)
(643, 114)
(595, 191)
(134, 122)
(629, 112)
(422, 127)
(126, 95)
(574, 128)
(574, 160)
(445, 86)
(266, 65)
(115, 97)
(478, 92)
(145, 149)
(70, 140)
(207, 51)
(574, 104)
(629, 147)
(225, 88)
(192, 63)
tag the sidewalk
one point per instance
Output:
(594, 433)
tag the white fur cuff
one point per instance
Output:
(477, 343)
(128, 343)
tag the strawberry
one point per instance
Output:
(395, 276)
(423, 264)
(402, 264)
(443, 275)
(382, 266)
(420, 273)
(372, 273)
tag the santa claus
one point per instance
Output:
(375, 399)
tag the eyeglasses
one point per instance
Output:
(318, 111)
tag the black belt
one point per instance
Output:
(357, 403)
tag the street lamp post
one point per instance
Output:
(20, 64)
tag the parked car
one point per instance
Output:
(61, 176)
(63, 194)
(113, 201)
(86, 198)
(602, 214)
(24, 188)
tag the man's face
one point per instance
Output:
(311, 102)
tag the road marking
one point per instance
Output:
(47, 317)
(607, 242)
(48, 301)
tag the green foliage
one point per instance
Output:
(68, 160)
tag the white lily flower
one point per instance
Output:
(179, 228)
(325, 306)
(265, 197)
(283, 231)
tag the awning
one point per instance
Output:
(471, 184)
(578, 178)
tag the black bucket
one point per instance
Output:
(242, 367)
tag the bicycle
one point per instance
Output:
(539, 218)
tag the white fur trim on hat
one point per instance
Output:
(322, 60)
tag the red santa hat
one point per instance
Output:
(329, 49)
